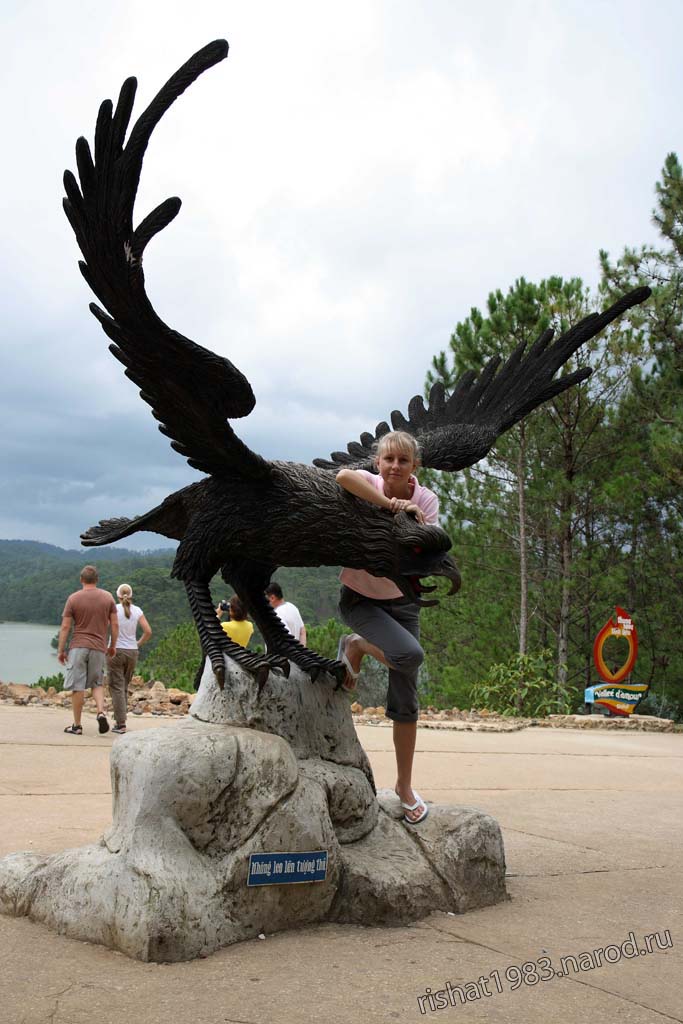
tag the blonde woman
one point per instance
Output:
(386, 623)
(122, 665)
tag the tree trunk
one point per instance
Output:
(587, 616)
(565, 594)
(523, 564)
(567, 501)
(632, 570)
(545, 576)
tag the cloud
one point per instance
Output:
(353, 181)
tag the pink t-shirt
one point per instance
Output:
(379, 587)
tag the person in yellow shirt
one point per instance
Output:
(238, 627)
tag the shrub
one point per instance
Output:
(324, 639)
(660, 706)
(175, 659)
(523, 685)
(47, 681)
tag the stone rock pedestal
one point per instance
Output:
(280, 773)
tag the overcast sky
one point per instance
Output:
(355, 177)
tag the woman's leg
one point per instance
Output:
(356, 649)
(405, 736)
(128, 671)
(402, 707)
(393, 632)
(390, 633)
(117, 687)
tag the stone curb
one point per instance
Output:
(157, 699)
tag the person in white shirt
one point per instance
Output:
(122, 665)
(288, 612)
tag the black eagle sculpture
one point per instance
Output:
(249, 516)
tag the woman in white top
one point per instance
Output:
(122, 665)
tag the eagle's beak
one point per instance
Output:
(410, 583)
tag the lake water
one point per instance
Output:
(25, 652)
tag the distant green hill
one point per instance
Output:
(36, 578)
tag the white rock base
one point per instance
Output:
(168, 881)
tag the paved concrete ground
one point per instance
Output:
(593, 827)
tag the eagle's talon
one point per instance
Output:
(339, 672)
(261, 676)
(219, 673)
(282, 664)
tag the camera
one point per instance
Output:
(224, 606)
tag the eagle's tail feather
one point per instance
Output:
(169, 519)
(109, 530)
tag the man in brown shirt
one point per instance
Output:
(91, 612)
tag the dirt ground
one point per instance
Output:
(593, 828)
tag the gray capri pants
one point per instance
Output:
(394, 627)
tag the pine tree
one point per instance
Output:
(660, 320)
(531, 500)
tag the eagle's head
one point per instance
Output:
(407, 553)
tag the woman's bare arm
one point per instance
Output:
(355, 483)
(146, 631)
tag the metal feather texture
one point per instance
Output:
(250, 516)
(192, 391)
(457, 431)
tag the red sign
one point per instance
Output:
(622, 627)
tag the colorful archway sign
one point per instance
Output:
(617, 699)
(622, 627)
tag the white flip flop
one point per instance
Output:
(419, 802)
(343, 657)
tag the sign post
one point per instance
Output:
(617, 697)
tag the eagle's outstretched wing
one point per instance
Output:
(459, 430)
(191, 391)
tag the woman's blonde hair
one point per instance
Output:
(124, 592)
(401, 441)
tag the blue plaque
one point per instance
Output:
(280, 868)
